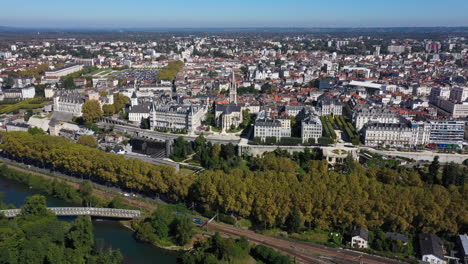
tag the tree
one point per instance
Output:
(35, 205)
(108, 109)
(181, 149)
(92, 110)
(86, 192)
(433, 170)
(120, 101)
(295, 221)
(87, 140)
(81, 237)
(145, 123)
(36, 131)
(182, 229)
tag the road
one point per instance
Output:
(161, 136)
(302, 252)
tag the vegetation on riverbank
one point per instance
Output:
(165, 229)
(60, 189)
(37, 236)
(228, 250)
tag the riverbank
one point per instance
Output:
(70, 192)
(135, 203)
(107, 233)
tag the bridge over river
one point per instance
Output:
(77, 211)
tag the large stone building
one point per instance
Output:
(311, 127)
(69, 102)
(26, 92)
(404, 134)
(228, 116)
(176, 117)
(363, 114)
(384, 134)
(269, 127)
(329, 106)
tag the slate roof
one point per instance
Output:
(431, 244)
(397, 236)
(362, 232)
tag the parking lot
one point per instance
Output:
(140, 75)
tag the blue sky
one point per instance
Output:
(236, 13)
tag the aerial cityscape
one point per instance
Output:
(302, 132)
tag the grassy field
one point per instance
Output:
(28, 104)
(314, 236)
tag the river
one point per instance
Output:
(111, 233)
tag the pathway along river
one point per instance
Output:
(111, 233)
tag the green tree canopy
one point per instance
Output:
(92, 110)
(87, 140)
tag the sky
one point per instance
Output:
(236, 13)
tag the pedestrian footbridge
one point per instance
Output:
(90, 211)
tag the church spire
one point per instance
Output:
(233, 90)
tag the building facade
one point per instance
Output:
(311, 127)
(365, 114)
(176, 117)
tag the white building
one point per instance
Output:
(139, 112)
(360, 238)
(269, 127)
(364, 113)
(431, 249)
(177, 117)
(398, 49)
(65, 70)
(311, 127)
(69, 102)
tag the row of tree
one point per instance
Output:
(269, 189)
(90, 163)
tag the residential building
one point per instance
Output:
(385, 134)
(462, 246)
(431, 249)
(360, 238)
(329, 106)
(269, 127)
(311, 127)
(364, 114)
(11, 127)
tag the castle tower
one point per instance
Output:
(233, 90)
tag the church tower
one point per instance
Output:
(233, 90)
